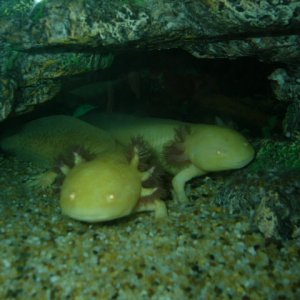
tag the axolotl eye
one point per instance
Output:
(220, 153)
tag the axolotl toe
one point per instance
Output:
(185, 150)
(101, 180)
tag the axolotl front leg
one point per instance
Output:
(181, 178)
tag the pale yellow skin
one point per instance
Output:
(209, 148)
(43, 140)
(100, 190)
(105, 188)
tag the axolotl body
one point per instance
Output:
(185, 150)
(101, 182)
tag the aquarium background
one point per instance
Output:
(225, 63)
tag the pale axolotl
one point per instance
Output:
(185, 150)
(102, 181)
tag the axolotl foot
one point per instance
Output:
(157, 206)
(42, 181)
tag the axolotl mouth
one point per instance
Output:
(242, 163)
(245, 160)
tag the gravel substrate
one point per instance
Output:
(199, 252)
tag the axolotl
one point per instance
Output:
(101, 180)
(185, 150)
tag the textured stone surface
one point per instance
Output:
(286, 87)
(54, 39)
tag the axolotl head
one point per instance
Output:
(100, 190)
(214, 148)
(108, 187)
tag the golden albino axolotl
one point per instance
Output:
(185, 150)
(102, 181)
